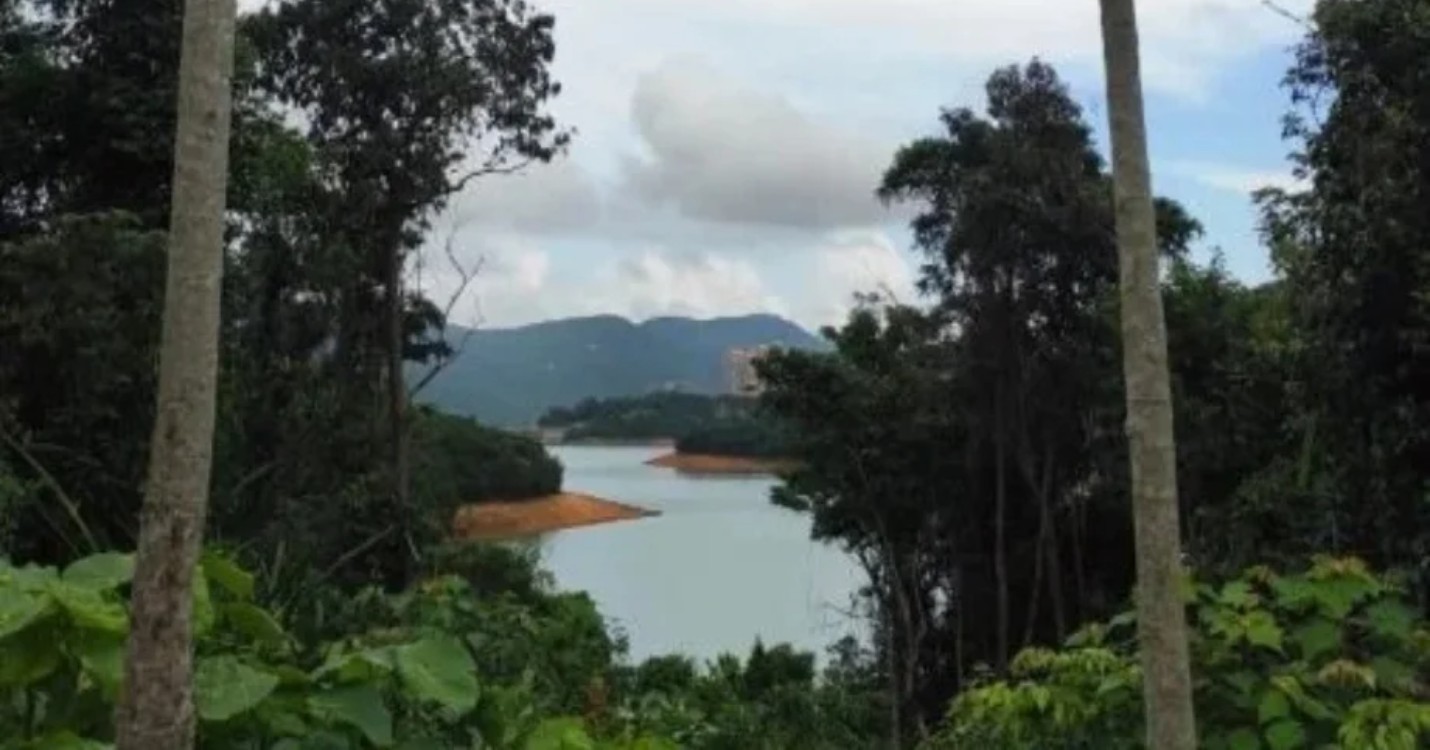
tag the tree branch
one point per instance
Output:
(465, 276)
(1287, 14)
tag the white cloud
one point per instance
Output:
(725, 153)
(1186, 44)
(1236, 179)
(551, 198)
(853, 264)
(698, 285)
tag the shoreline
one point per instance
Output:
(499, 521)
(714, 465)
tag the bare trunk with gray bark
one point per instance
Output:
(1161, 616)
(156, 709)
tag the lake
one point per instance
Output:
(720, 567)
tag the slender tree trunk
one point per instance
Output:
(156, 710)
(397, 403)
(1000, 533)
(1161, 615)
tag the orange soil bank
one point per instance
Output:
(513, 520)
(698, 463)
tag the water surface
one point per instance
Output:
(720, 567)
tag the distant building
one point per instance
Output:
(740, 370)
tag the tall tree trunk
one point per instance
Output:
(1161, 615)
(1000, 531)
(156, 709)
(397, 404)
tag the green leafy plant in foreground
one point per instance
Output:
(61, 667)
(1330, 658)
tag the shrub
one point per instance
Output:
(1333, 657)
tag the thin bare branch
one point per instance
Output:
(1286, 13)
(465, 276)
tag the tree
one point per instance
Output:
(1152, 448)
(156, 710)
(1354, 250)
(397, 94)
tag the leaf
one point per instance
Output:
(100, 572)
(439, 669)
(1273, 706)
(203, 612)
(18, 609)
(89, 608)
(30, 655)
(227, 574)
(1317, 637)
(66, 740)
(559, 734)
(1243, 739)
(1390, 619)
(358, 706)
(254, 622)
(1237, 594)
(102, 657)
(227, 687)
(1262, 630)
(1285, 735)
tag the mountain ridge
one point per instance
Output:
(509, 377)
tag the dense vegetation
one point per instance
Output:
(718, 425)
(969, 454)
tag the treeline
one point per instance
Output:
(719, 425)
(321, 465)
(971, 454)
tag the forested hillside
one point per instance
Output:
(511, 377)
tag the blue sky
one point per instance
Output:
(727, 150)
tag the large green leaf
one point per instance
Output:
(1285, 735)
(440, 669)
(19, 609)
(102, 657)
(1273, 706)
(203, 611)
(101, 572)
(1243, 739)
(559, 734)
(1317, 637)
(254, 622)
(1390, 619)
(227, 574)
(227, 687)
(90, 608)
(358, 706)
(27, 656)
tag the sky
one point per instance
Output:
(727, 151)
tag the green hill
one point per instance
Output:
(510, 377)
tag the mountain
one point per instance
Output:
(510, 377)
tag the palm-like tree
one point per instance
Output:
(1161, 615)
(156, 710)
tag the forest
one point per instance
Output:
(716, 425)
(252, 517)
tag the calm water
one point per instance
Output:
(719, 568)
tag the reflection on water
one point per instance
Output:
(719, 568)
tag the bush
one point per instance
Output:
(418, 683)
(1333, 657)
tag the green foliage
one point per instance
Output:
(79, 314)
(458, 461)
(1333, 657)
(414, 684)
